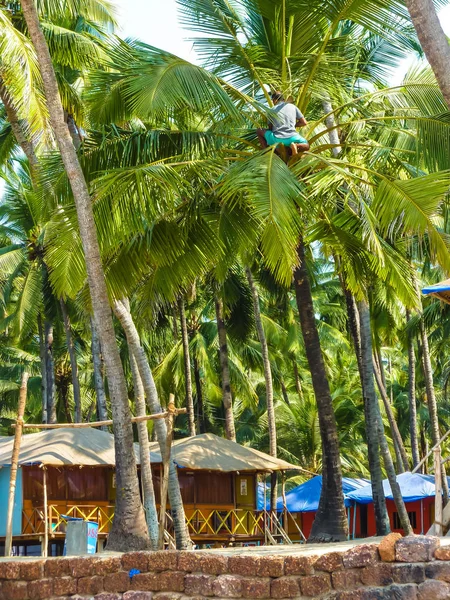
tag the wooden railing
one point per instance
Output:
(33, 519)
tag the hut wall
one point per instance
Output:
(4, 494)
(415, 513)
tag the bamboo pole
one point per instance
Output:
(444, 437)
(438, 496)
(45, 547)
(163, 415)
(14, 461)
(171, 411)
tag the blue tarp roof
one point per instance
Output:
(443, 286)
(413, 486)
(305, 497)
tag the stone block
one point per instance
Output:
(108, 596)
(270, 566)
(228, 586)
(442, 553)
(145, 582)
(329, 562)
(243, 565)
(438, 570)
(360, 556)
(256, 587)
(189, 561)
(198, 585)
(164, 560)
(433, 590)
(213, 564)
(110, 564)
(57, 567)
(416, 548)
(166, 596)
(299, 565)
(285, 587)
(40, 590)
(15, 590)
(315, 585)
(90, 585)
(408, 573)
(171, 581)
(135, 595)
(377, 575)
(82, 566)
(9, 569)
(346, 579)
(117, 582)
(401, 592)
(135, 560)
(31, 570)
(386, 547)
(64, 586)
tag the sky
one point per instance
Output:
(155, 22)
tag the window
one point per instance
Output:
(412, 519)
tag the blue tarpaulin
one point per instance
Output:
(443, 286)
(413, 486)
(305, 497)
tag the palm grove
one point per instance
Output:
(149, 246)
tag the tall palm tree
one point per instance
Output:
(129, 529)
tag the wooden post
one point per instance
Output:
(283, 496)
(166, 465)
(14, 461)
(45, 547)
(438, 498)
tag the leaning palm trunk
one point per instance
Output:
(412, 397)
(148, 492)
(372, 410)
(269, 384)
(73, 362)
(431, 398)
(129, 529)
(227, 398)
(330, 523)
(400, 452)
(121, 310)
(43, 357)
(433, 41)
(99, 385)
(187, 368)
(50, 374)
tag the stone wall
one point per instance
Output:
(411, 568)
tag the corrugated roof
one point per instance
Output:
(93, 447)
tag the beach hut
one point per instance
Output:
(418, 493)
(302, 503)
(70, 472)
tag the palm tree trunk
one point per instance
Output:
(330, 123)
(433, 41)
(187, 368)
(19, 133)
(99, 384)
(227, 398)
(199, 395)
(148, 491)
(298, 383)
(268, 381)
(402, 457)
(122, 312)
(372, 410)
(330, 523)
(431, 398)
(50, 374)
(73, 362)
(412, 397)
(284, 391)
(43, 367)
(129, 529)
(354, 326)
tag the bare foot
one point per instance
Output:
(294, 149)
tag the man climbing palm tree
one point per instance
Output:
(282, 129)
